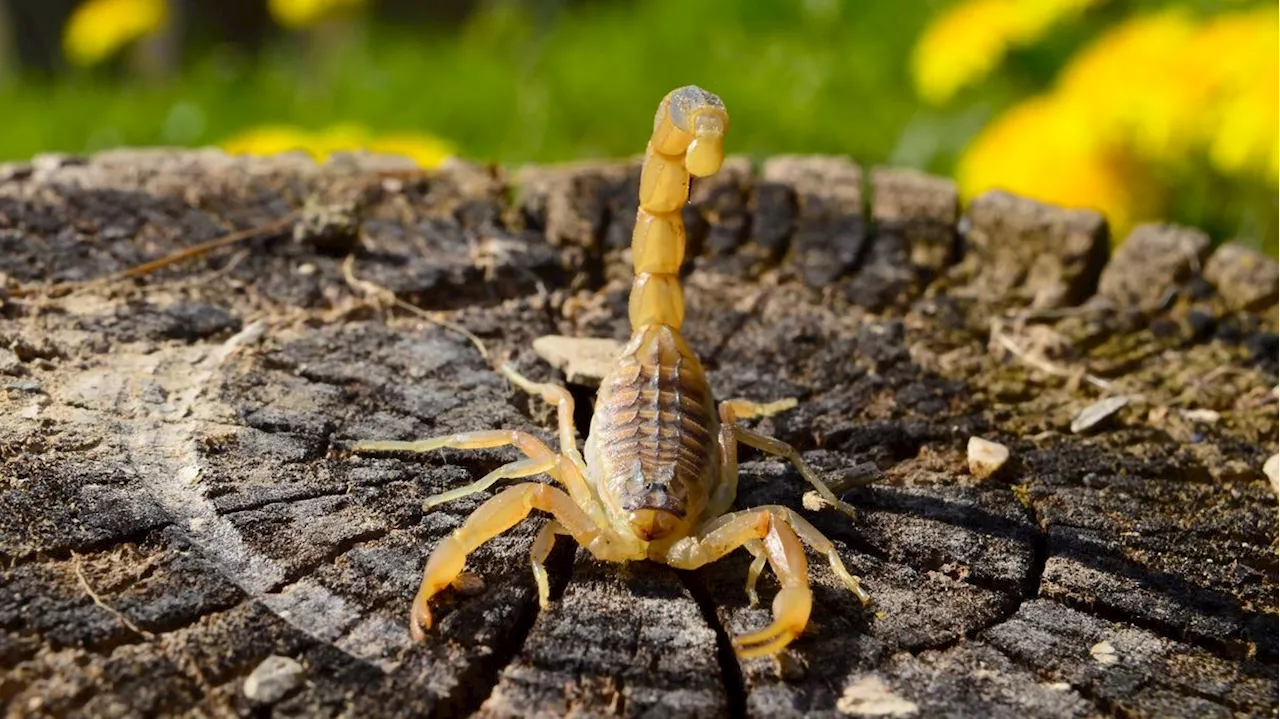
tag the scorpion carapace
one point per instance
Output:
(660, 470)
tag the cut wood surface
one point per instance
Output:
(184, 531)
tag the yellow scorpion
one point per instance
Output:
(660, 467)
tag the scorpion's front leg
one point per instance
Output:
(785, 554)
(494, 517)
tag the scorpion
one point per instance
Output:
(659, 470)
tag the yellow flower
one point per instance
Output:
(1246, 141)
(425, 150)
(97, 29)
(1243, 52)
(271, 140)
(1042, 149)
(1142, 83)
(1239, 42)
(970, 38)
(1171, 87)
(304, 13)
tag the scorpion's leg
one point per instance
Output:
(542, 545)
(723, 496)
(792, 604)
(819, 543)
(531, 446)
(731, 411)
(563, 401)
(784, 553)
(816, 540)
(746, 409)
(756, 547)
(492, 518)
(777, 447)
(483, 439)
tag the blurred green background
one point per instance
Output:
(931, 84)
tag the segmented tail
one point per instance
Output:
(688, 136)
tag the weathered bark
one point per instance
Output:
(177, 502)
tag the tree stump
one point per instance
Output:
(183, 530)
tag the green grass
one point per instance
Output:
(584, 86)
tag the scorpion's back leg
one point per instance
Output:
(531, 446)
(563, 401)
(492, 518)
(733, 410)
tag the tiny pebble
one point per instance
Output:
(1059, 686)
(1104, 653)
(24, 385)
(9, 362)
(1272, 469)
(1097, 412)
(273, 679)
(813, 501)
(1206, 416)
(859, 475)
(870, 696)
(986, 457)
(306, 269)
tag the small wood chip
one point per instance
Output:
(1104, 653)
(273, 679)
(813, 501)
(1272, 469)
(986, 457)
(584, 360)
(1207, 416)
(869, 696)
(1098, 412)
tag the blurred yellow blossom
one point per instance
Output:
(1141, 81)
(1042, 149)
(305, 13)
(1238, 43)
(1173, 87)
(270, 140)
(1244, 51)
(97, 29)
(969, 39)
(1246, 140)
(1155, 92)
(426, 150)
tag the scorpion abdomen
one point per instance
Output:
(655, 427)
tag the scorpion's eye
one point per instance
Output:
(651, 524)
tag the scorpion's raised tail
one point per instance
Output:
(688, 139)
